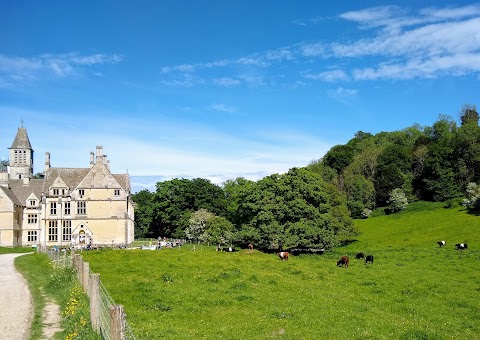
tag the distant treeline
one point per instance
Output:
(313, 207)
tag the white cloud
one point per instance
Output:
(222, 108)
(19, 70)
(180, 68)
(328, 76)
(452, 12)
(284, 53)
(255, 61)
(313, 49)
(436, 66)
(183, 80)
(226, 82)
(342, 94)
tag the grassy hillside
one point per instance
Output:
(413, 290)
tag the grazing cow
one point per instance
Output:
(441, 243)
(283, 255)
(250, 246)
(369, 258)
(343, 261)
(461, 246)
(360, 256)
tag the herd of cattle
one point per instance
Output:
(458, 246)
(344, 260)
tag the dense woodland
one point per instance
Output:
(314, 206)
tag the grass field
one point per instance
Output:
(413, 290)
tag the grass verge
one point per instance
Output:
(60, 285)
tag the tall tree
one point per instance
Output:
(177, 199)
(294, 210)
(144, 213)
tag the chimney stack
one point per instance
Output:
(47, 161)
(92, 157)
(99, 154)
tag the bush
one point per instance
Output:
(397, 200)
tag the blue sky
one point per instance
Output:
(223, 89)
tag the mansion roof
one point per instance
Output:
(98, 177)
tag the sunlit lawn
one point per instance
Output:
(413, 290)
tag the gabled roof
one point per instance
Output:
(22, 192)
(124, 181)
(58, 183)
(70, 176)
(8, 192)
(21, 140)
(99, 177)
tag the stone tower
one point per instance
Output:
(21, 156)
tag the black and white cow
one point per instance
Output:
(441, 243)
(369, 258)
(461, 246)
(360, 256)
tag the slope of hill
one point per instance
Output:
(419, 226)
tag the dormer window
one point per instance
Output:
(55, 192)
(116, 192)
(81, 192)
(33, 203)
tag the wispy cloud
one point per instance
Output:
(226, 82)
(342, 94)
(203, 150)
(183, 80)
(20, 70)
(328, 76)
(222, 108)
(394, 43)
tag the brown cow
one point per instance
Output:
(283, 255)
(343, 261)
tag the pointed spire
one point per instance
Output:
(21, 139)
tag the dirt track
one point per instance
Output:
(16, 311)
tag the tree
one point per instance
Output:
(393, 171)
(197, 225)
(144, 213)
(339, 157)
(219, 231)
(473, 196)
(4, 165)
(293, 209)
(177, 199)
(397, 200)
(469, 115)
(234, 191)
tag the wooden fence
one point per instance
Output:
(107, 318)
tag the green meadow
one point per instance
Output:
(413, 290)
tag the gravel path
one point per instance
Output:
(16, 311)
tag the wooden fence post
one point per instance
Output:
(94, 283)
(80, 269)
(86, 271)
(117, 322)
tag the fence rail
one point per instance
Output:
(107, 318)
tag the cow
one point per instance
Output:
(369, 258)
(441, 243)
(250, 246)
(461, 246)
(360, 256)
(343, 261)
(283, 255)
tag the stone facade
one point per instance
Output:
(67, 207)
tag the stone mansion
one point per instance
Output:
(68, 206)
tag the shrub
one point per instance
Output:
(397, 200)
